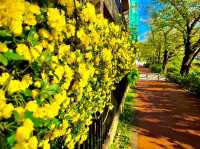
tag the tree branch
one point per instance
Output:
(194, 55)
(197, 44)
(195, 22)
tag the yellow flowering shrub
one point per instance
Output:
(56, 71)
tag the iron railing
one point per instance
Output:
(99, 129)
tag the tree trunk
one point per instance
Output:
(165, 61)
(185, 67)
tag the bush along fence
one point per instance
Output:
(100, 129)
(59, 64)
(190, 81)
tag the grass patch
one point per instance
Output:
(122, 138)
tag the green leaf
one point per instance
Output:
(28, 114)
(3, 60)
(56, 122)
(47, 123)
(11, 140)
(16, 115)
(13, 56)
(27, 93)
(54, 87)
(48, 90)
(39, 101)
(31, 39)
(5, 33)
(36, 66)
(38, 122)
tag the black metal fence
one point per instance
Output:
(99, 129)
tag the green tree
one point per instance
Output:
(184, 15)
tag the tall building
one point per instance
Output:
(133, 19)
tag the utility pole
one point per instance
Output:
(133, 19)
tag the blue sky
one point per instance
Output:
(143, 17)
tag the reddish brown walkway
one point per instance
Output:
(166, 117)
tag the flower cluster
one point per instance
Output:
(57, 70)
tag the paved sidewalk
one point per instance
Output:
(167, 117)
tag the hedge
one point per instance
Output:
(190, 81)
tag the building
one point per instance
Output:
(111, 9)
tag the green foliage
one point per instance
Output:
(156, 68)
(3, 60)
(175, 64)
(191, 81)
(133, 77)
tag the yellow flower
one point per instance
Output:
(2, 95)
(21, 145)
(16, 27)
(22, 134)
(14, 86)
(40, 113)
(4, 77)
(11, 14)
(106, 55)
(50, 47)
(83, 37)
(59, 72)
(29, 19)
(89, 55)
(35, 93)
(30, 11)
(37, 84)
(8, 110)
(56, 20)
(83, 138)
(46, 144)
(68, 138)
(31, 106)
(70, 30)
(44, 76)
(26, 81)
(69, 5)
(51, 110)
(71, 58)
(66, 102)
(33, 142)
(20, 111)
(36, 51)
(71, 145)
(3, 47)
(88, 13)
(60, 97)
(35, 9)
(28, 124)
(97, 60)
(65, 124)
(23, 50)
(63, 49)
(44, 33)
(57, 133)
